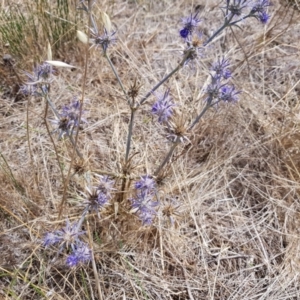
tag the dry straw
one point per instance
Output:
(139, 171)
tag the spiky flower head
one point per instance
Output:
(134, 89)
(43, 71)
(64, 126)
(213, 89)
(236, 8)
(228, 94)
(260, 6)
(143, 203)
(163, 107)
(38, 83)
(95, 201)
(146, 183)
(218, 89)
(189, 23)
(80, 254)
(259, 10)
(72, 112)
(99, 196)
(104, 41)
(178, 129)
(171, 210)
(194, 47)
(263, 17)
(69, 118)
(105, 185)
(66, 237)
(144, 206)
(80, 166)
(240, 9)
(220, 67)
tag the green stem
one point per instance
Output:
(180, 65)
(74, 145)
(226, 24)
(167, 158)
(67, 178)
(130, 128)
(207, 106)
(55, 149)
(117, 76)
(46, 96)
(177, 141)
(217, 33)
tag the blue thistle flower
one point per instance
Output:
(80, 254)
(263, 17)
(236, 8)
(260, 6)
(43, 71)
(145, 184)
(228, 94)
(259, 10)
(99, 196)
(51, 238)
(69, 118)
(72, 112)
(95, 201)
(143, 204)
(213, 89)
(221, 68)
(105, 185)
(72, 260)
(38, 81)
(64, 126)
(104, 40)
(189, 25)
(163, 107)
(145, 207)
(66, 237)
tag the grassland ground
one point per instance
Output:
(236, 185)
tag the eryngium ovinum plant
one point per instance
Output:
(142, 196)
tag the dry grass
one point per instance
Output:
(236, 230)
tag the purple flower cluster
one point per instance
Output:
(100, 196)
(228, 94)
(38, 82)
(218, 90)
(221, 69)
(192, 37)
(163, 107)
(143, 203)
(104, 40)
(189, 25)
(69, 118)
(81, 254)
(236, 8)
(68, 238)
(258, 9)
(235, 11)
(145, 184)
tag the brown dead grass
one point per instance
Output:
(236, 232)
